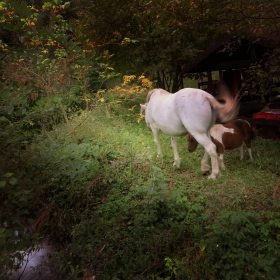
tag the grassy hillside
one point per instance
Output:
(149, 219)
(116, 211)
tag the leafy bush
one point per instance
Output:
(132, 230)
(113, 213)
(110, 207)
(245, 245)
(14, 218)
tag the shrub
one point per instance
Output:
(245, 245)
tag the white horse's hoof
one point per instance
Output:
(176, 164)
(204, 168)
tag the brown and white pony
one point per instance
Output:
(228, 136)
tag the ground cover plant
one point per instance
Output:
(79, 166)
(116, 211)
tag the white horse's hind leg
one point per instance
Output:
(210, 148)
(175, 149)
(204, 163)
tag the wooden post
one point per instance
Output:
(220, 74)
(201, 80)
(210, 85)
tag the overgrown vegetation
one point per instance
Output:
(118, 212)
(79, 167)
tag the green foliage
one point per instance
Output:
(158, 38)
(117, 212)
(112, 208)
(128, 235)
(264, 75)
(245, 245)
(14, 216)
(41, 88)
(23, 31)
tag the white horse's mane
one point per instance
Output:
(150, 93)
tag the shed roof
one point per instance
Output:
(249, 50)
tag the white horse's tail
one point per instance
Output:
(226, 111)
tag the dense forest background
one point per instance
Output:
(73, 164)
(154, 38)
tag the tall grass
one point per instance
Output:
(116, 211)
(170, 221)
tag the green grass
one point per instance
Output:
(127, 214)
(133, 141)
(243, 184)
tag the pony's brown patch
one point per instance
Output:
(228, 136)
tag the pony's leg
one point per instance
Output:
(221, 161)
(156, 139)
(250, 153)
(210, 149)
(241, 152)
(175, 149)
(249, 144)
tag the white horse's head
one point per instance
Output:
(143, 108)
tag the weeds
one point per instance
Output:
(117, 211)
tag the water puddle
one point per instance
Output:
(36, 265)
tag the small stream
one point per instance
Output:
(36, 259)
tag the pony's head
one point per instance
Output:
(192, 143)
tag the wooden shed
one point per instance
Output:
(232, 65)
(246, 51)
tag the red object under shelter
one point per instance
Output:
(272, 114)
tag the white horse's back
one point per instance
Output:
(177, 114)
(194, 110)
(161, 114)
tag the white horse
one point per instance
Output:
(191, 111)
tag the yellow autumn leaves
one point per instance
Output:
(132, 86)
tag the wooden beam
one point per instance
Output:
(200, 80)
(253, 52)
(220, 74)
(233, 64)
(210, 85)
(262, 121)
(223, 65)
